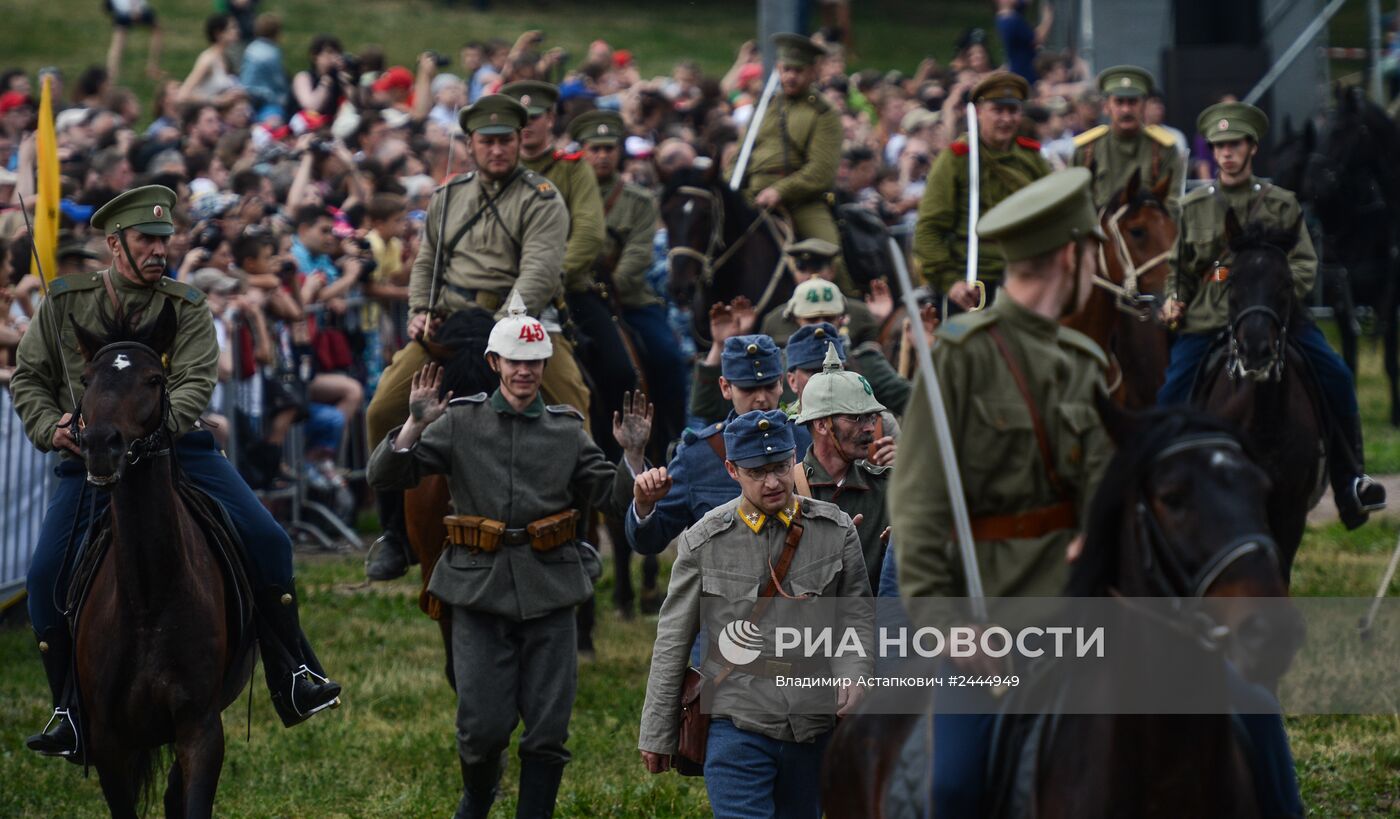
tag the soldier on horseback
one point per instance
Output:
(1127, 143)
(518, 471)
(1197, 293)
(499, 228)
(138, 225)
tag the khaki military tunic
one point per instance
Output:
(1113, 159)
(1201, 248)
(515, 467)
(579, 187)
(940, 234)
(722, 559)
(862, 491)
(38, 386)
(518, 246)
(998, 457)
(632, 215)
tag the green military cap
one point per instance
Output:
(597, 128)
(1226, 121)
(1125, 81)
(812, 249)
(1003, 87)
(146, 208)
(493, 114)
(1048, 213)
(836, 391)
(537, 96)
(794, 49)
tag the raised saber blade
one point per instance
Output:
(974, 190)
(742, 164)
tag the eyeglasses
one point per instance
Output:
(779, 469)
(865, 420)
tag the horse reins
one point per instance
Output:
(1164, 571)
(709, 263)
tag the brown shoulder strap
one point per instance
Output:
(612, 198)
(716, 443)
(1041, 438)
(111, 293)
(765, 597)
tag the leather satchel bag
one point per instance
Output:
(697, 691)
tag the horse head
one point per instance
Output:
(1182, 514)
(1141, 234)
(125, 400)
(693, 212)
(1260, 298)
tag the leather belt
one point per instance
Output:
(1029, 524)
(487, 299)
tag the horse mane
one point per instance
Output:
(1153, 431)
(466, 333)
(1258, 235)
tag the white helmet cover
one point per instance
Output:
(519, 337)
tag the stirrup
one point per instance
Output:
(60, 715)
(1362, 483)
(303, 671)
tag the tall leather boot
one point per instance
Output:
(539, 788)
(388, 556)
(295, 678)
(1357, 494)
(479, 783)
(60, 736)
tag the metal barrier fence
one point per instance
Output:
(25, 476)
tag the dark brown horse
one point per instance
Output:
(721, 248)
(1263, 385)
(157, 661)
(1121, 315)
(1180, 514)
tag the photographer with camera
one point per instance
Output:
(331, 79)
(327, 175)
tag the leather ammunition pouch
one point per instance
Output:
(483, 534)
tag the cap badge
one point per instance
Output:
(602, 129)
(1125, 82)
(495, 117)
(752, 349)
(1224, 124)
(158, 211)
(524, 99)
(819, 333)
(763, 424)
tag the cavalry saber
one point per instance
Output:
(962, 524)
(742, 164)
(53, 321)
(1370, 617)
(974, 202)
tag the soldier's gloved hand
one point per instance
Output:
(632, 427)
(656, 763)
(648, 490)
(63, 436)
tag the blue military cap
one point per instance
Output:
(751, 361)
(759, 437)
(806, 349)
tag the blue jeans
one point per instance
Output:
(751, 776)
(1333, 377)
(265, 543)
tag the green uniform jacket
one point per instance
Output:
(1201, 245)
(579, 187)
(861, 493)
(940, 234)
(631, 225)
(38, 388)
(1112, 159)
(722, 560)
(998, 458)
(512, 467)
(523, 249)
(797, 149)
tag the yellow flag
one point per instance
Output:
(46, 204)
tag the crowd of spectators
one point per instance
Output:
(304, 171)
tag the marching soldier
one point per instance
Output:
(1008, 163)
(138, 225)
(1197, 295)
(500, 228)
(798, 148)
(518, 470)
(1114, 151)
(760, 760)
(1019, 391)
(840, 409)
(816, 258)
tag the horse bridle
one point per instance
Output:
(1273, 370)
(154, 444)
(1164, 571)
(707, 260)
(1129, 299)
(716, 230)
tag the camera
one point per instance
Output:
(439, 59)
(209, 237)
(322, 147)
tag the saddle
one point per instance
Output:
(212, 519)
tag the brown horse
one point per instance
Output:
(1180, 514)
(1121, 314)
(157, 660)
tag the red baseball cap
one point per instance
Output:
(622, 58)
(395, 77)
(10, 100)
(749, 73)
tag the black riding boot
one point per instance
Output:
(61, 736)
(539, 788)
(479, 782)
(1356, 493)
(388, 556)
(295, 677)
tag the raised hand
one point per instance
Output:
(632, 427)
(879, 300)
(424, 405)
(648, 490)
(882, 451)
